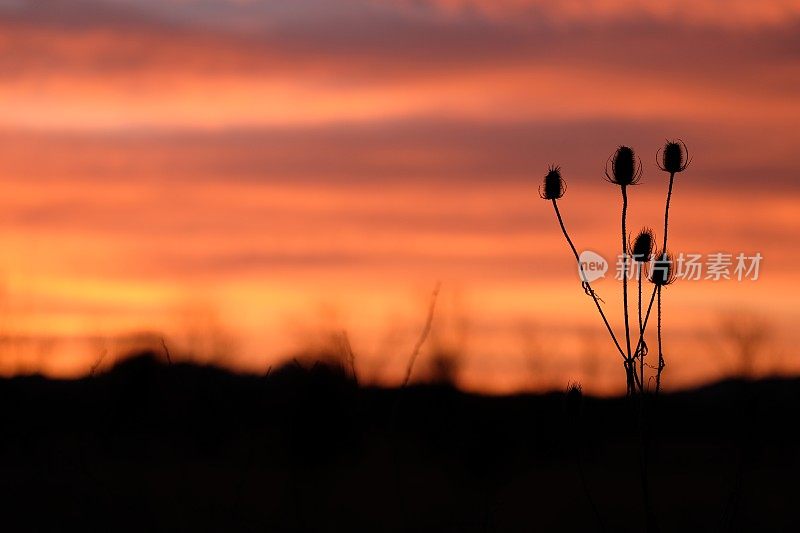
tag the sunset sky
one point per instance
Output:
(245, 177)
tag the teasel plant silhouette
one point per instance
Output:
(672, 158)
(624, 169)
(662, 273)
(641, 252)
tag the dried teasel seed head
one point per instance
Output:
(573, 400)
(674, 157)
(662, 269)
(626, 168)
(553, 186)
(641, 250)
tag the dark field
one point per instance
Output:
(184, 448)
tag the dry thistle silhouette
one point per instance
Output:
(662, 274)
(641, 251)
(626, 169)
(573, 401)
(553, 188)
(662, 270)
(674, 158)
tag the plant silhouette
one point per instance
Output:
(624, 169)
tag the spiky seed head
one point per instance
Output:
(642, 248)
(626, 168)
(674, 157)
(553, 186)
(574, 400)
(662, 269)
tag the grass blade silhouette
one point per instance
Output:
(423, 335)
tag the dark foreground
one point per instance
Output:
(181, 448)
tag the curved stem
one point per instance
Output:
(569, 241)
(423, 336)
(588, 287)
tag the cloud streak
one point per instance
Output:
(105, 68)
(272, 155)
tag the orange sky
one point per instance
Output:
(257, 174)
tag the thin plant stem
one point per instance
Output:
(423, 335)
(642, 352)
(661, 363)
(629, 361)
(666, 211)
(586, 285)
(658, 288)
(650, 519)
(646, 319)
(651, 523)
(166, 351)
